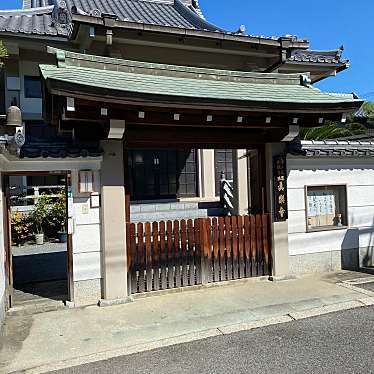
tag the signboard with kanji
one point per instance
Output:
(280, 188)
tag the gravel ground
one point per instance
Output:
(341, 342)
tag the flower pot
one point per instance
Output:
(62, 237)
(39, 239)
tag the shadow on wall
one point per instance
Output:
(355, 255)
(366, 255)
(350, 250)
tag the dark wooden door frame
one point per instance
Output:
(8, 232)
(7, 243)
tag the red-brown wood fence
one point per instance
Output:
(164, 255)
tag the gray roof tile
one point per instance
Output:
(39, 21)
(321, 57)
(41, 16)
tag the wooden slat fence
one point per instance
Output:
(164, 255)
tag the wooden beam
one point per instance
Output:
(198, 137)
(90, 111)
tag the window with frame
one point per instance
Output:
(326, 207)
(33, 87)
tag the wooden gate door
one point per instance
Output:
(181, 253)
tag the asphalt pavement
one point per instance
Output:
(341, 342)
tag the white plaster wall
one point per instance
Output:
(86, 237)
(358, 176)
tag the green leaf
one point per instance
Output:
(3, 53)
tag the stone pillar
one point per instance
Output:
(280, 252)
(113, 221)
(240, 177)
(208, 177)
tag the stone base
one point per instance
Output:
(347, 259)
(2, 310)
(281, 278)
(105, 302)
(87, 292)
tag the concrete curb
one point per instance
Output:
(200, 335)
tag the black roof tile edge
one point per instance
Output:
(321, 57)
(331, 148)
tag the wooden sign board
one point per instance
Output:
(280, 188)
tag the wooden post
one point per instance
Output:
(204, 251)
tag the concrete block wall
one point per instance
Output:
(348, 248)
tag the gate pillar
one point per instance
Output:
(280, 252)
(113, 222)
(240, 181)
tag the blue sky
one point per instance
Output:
(327, 24)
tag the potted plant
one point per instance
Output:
(38, 217)
(57, 216)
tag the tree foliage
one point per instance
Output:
(3, 53)
(329, 131)
(369, 110)
(334, 130)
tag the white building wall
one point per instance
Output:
(86, 245)
(333, 249)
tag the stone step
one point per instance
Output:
(35, 307)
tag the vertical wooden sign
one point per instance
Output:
(280, 188)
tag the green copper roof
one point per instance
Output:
(177, 81)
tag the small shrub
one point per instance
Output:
(56, 215)
(21, 227)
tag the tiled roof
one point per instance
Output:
(38, 21)
(321, 57)
(53, 17)
(332, 148)
(361, 113)
(154, 12)
(60, 150)
(146, 78)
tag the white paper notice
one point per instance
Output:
(321, 203)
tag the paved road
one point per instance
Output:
(336, 343)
